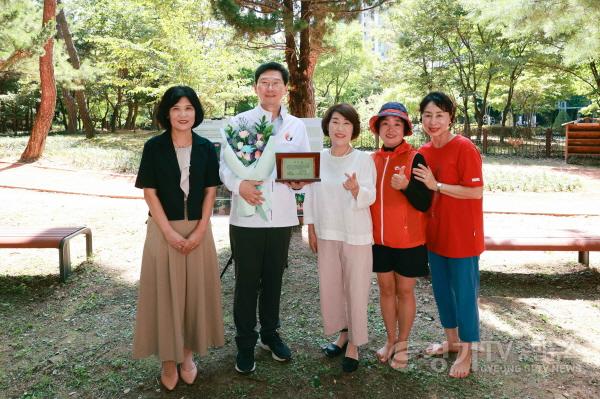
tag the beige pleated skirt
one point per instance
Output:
(179, 302)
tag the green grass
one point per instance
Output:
(529, 179)
(113, 152)
(515, 174)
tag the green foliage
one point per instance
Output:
(590, 110)
(539, 89)
(345, 72)
(440, 46)
(21, 29)
(573, 23)
(561, 117)
(254, 18)
(415, 59)
(569, 29)
(132, 50)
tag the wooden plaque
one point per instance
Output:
(298, 166)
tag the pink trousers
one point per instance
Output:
(344, 283)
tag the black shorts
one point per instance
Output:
(407, 262)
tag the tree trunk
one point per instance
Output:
(478, 117)
(136, 106)
(120, 118)
(483, 109)
(154, 125)
(65, 34)
(129, 115)
(116, 111)
(302, 63)
(43, 119)
(507, 106)
(467, 123)
(71, 108)
(106, 110)
(302, 97)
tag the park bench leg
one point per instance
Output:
(88, 243)
(64, 260)
(584, 257)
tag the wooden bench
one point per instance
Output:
(582, 139)
(54, 237)
(553, 240)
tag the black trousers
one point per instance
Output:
(260, 256)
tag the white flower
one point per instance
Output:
(240, 145)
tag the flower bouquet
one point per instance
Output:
(250, 155)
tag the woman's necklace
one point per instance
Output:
(340, 156)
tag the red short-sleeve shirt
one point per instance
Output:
(455, 227)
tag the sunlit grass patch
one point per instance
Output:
(508, 178)
(113, 152)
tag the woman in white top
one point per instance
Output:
(337, 213)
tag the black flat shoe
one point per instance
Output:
(332, 350)
(349, 365)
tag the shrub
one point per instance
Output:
(561, 118)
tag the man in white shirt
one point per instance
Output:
(260, 247)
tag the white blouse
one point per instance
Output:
(336, 214)
(184, 155)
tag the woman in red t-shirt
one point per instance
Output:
(455, 228)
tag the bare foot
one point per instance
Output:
(400, 358)
(461, 368)
(383, 353)
(442, 349)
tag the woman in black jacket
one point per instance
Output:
(179, 306)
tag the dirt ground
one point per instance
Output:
(540, 311)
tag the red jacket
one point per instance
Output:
(396, 223)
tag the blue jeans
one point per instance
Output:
(455, 284)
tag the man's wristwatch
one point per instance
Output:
(439, 186)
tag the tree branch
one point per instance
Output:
(14, 58)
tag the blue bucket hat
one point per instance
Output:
(391, 109)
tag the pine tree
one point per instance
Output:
(43, 119)
(303, 25)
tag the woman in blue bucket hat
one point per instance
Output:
(399, 229)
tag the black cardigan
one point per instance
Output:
(159, 170)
